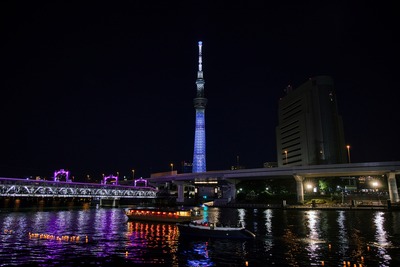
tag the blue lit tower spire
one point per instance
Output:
(199, 153)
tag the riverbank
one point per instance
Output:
(309, 207)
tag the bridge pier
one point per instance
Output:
(109, 202)
(392, 187)
(186, 192)
(181, 193)
(299, 188)
(231, 192)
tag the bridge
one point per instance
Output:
(229, 178)
(14, 187)
(224, 181)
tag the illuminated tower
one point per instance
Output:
(199, 153)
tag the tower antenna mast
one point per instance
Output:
(200, 102)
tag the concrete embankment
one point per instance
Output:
(308, 207)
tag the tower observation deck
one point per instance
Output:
(199, 153)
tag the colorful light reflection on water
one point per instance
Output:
(104, 237)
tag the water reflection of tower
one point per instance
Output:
(199, 153)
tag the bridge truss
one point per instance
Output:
(11, 187)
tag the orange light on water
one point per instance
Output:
(65, 238)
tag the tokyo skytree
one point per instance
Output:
(199, 153)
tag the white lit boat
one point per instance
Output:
(212, 230)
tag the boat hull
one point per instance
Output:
(214, 232)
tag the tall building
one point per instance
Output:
(310, 130)
(199, 153)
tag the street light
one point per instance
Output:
(348, 152)
(133, 174)
(309, 187)
(286, 156)
(375, 185)
(172, 166)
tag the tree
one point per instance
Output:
(323, 185)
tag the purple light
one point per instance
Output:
(61, 173)
(113, 179)
(140, 180)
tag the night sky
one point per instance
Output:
(104, 87)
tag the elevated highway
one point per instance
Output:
(299, 173)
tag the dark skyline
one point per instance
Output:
(106, 87)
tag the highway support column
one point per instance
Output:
(181, 192)
(392, 186)
(231, 192)
(299, 188)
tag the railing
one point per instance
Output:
(13, 187)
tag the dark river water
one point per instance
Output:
(104, 237)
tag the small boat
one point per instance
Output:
(212, 230)
(163, 215)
